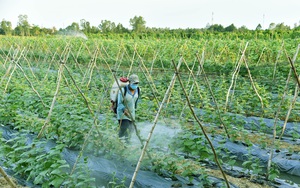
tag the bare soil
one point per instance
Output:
(240, 182)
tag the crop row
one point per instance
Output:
(59, 88)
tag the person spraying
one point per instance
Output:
(126, 107)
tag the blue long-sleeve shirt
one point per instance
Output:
(130, 101)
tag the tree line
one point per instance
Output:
(139, 29)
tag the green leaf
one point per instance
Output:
(57, 182)
(56, 172)
(272, 176)
(247, 163)
(64, 166)
(188, 142)
(38, 179)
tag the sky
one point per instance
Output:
(171, 14)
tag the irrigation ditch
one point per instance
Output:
(219, 110)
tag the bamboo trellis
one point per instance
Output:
(278, 111)
(102, 53)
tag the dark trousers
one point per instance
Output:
(125, 130)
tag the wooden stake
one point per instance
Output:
(201, 126)
(148, 77)
(234, 75)
(261, 54)
(213, 96)
(53, 101)
(30, 83)
(295, 95)
(153, 127)
(276, 61)
(292, 104)
(11, 183)
(253, 85)
(295, 71)
(277, 114)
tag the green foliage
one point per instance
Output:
(116, 183)
(45, 168)
(194, 144)
(274, 172)
(254, 165)
(86, 123)
(107, 29)
(80, 178)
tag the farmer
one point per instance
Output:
(127, 104)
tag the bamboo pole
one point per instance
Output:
(172, 86)
(96, 67)
(59, 77)
(77, 55)
(153, 60)
(7, 59)
(295, 71)
(49, 67)
(152, 90)
(190, 92)
(292, 104)
(238, 66)
(28, 63)
(194, 83)
(31, 85)
(213, 96)
(148, 82)
(9, 181)
(107, 64)
(2, 57)
(119, 64)
(191, 74)
(14, 59)
(153, 127)
(119, 59)
(68, 85)
(92, 67)
(201, 126)
(94, 121)
(293, 101)
(6, 73)
(261, 54)
(76, 62)
(121, 53)
(60, 71)
(212, 50)
(197, 74)
(148, 77)
(276, 61)
(47, 56)
(277, 114)
(234, 75)
(9, 78)
(132, 61)
(78, 89)
(253, 85)
(274, 131)
(73, 80)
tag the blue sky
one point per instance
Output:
(156, 13)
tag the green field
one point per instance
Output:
(57, 88)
